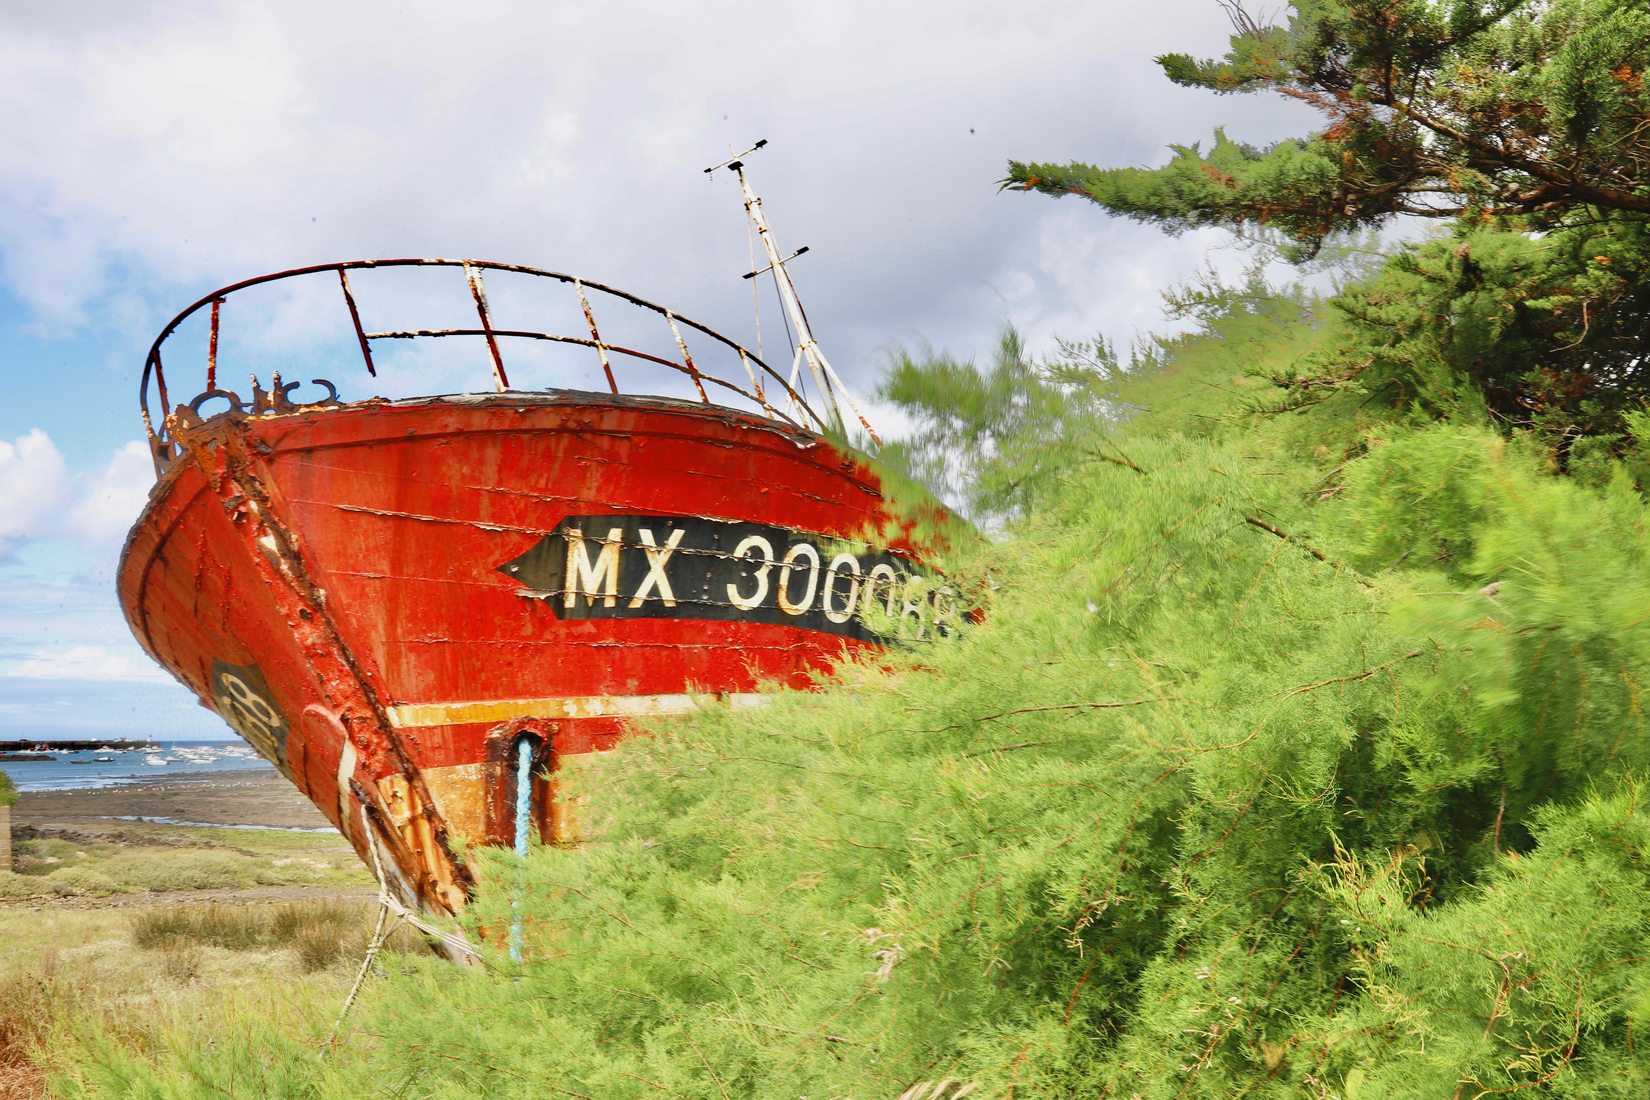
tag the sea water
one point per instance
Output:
(80, 769)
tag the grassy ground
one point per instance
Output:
(146, 933)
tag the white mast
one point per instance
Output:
(830, 384)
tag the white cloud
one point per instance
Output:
(33, 477)
(109, 500)
(96, 663)
(40, 498)
(156, 150)
(243, 141)
(70, 667)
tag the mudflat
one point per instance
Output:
(256, 796)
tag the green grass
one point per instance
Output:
(68, 968)
(153, 981)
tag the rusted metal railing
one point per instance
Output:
(707, 385)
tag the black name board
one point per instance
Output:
(689, 567)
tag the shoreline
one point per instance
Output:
(253, 797)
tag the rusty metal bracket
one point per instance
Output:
(275, 399)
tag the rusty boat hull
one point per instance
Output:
(419, 609)
(370, 594)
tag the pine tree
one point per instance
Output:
(1527, 124)
(1495, 108)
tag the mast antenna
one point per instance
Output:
(830, 383)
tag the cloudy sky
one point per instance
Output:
(151, 152)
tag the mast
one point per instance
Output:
(830, 384)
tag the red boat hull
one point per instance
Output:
(385, 598)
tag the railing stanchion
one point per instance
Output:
(355, 316)
(212, 348)
(601, 349)
(681, 345)
(479, 293)
(160, 386)
(756, 382)
(758, 373)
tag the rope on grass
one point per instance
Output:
(388, 904)
(378, 935)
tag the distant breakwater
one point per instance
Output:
(79, 745)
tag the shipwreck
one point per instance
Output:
(418, 607)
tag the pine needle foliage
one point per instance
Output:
(1533, 332)
(1297, 753)
(992, 439)
(1432, 108)
(1520, 124)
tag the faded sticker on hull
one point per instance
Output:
(688, 567)
(241, 696)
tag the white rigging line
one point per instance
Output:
(756, 295)
(806, 349)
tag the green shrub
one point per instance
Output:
(179, 869)
(8, 790)
(181, 960)
(13, 886)
(48, 850)
(324, 934)
(1296, 754)
(319, 947)
(85, 880)
(1231, 790)
(293, 919)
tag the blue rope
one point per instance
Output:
(524, 803)
(524, 792)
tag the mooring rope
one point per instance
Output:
(388, 904)
(379, 935)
